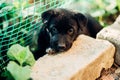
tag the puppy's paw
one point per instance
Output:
(50, 51)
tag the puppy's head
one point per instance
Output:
(63, 26)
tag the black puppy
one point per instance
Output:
(60, 28)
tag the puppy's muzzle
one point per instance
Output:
(61, 47)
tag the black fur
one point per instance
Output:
(60, 28)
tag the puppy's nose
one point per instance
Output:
(61, 47)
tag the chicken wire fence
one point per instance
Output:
(18, 19)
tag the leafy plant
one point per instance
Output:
(21, 54)
(14, 26)
(18, 67)
(18, 72)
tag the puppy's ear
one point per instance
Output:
(81, 19)
(46, 16)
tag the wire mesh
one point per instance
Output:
(18, 18)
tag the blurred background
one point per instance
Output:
(105, 11)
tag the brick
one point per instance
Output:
(84, 61)
(112, 34)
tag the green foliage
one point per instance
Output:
(20, 4)
(18, 67)
(6, 12)
(2, 4)
(105, 11)
(7, 75)
(18, 72)
(118, 4)
(14, 26)
(21, 54)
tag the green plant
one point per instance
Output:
(18, 72)
(118, 4)
(18, 67)
(14, 26)
(21, 54)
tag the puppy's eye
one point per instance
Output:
(54, 30)
(70, 31)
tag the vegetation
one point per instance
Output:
(105, 11)
(19, 66)
(14, 28)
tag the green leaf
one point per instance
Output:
(29, 59)
(118, 4)
(21, 54)
(18, 72)
(17, 52)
